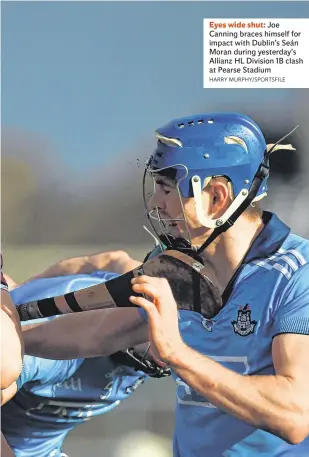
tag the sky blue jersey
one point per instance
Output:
(270, 296)
(56, 395)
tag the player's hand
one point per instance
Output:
(162, 312)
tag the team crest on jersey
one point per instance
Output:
(207, 324)
(244, 324)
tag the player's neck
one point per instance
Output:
(227, 252)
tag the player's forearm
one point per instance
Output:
(87, 334)
(272, 403)
(71, 266)
(66, 337)
(114, 261)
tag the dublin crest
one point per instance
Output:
(244, 325)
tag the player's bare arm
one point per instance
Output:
(117, 261)
(88, 334)
(278, 404)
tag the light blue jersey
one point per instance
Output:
(56, 395)
(270, 296)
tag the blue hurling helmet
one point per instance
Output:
(209, 145)
(213, 144)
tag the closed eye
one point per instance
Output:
(164, 186)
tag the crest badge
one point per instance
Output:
(244, 325)
(207, 324)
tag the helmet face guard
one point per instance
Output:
(160, 224)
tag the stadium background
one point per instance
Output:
(73, 149)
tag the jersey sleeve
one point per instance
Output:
(3, 281)
(292, 315)
(43, 371)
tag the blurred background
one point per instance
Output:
(84, 85)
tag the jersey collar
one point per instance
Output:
(270, 239)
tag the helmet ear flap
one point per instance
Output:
(205, 220)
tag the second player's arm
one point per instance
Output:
(86, 334)
(115, 261)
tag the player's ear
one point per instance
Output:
(219, 196)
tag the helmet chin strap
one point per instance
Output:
(261, 174)
(182, 245)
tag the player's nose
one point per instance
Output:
(156, 201)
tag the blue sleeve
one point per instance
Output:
(292, 315)
(43, 371)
